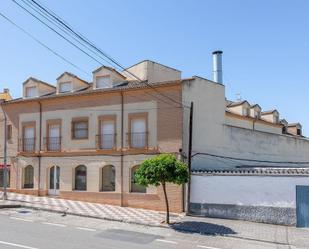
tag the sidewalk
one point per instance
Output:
(87, 209)
(282, 236)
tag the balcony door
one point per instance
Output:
(53, 141)
(107, 140)
(54, 180)
(138, 133)
(28, 139)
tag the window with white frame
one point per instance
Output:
(107, 138)
(31, 92)
(65, 87)
(103, 82)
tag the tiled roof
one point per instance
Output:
(89, 90)
(269, 112)
(287, 171)
(238, 103)
(39, 81)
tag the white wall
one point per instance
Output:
(275, 191)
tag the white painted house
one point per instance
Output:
(242, 157)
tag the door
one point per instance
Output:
(54, 180)
(138, 133)
(54, 137)
(28, 143)
(107, 134)
(302, 206)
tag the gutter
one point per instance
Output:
(40, 148)
(122, 144)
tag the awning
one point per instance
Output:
(2, 166)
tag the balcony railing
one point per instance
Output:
(27, 144)
(138, 140)
(106, 141)
(52, 143)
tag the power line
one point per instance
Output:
(248, 160)
(41, 43)
(63, 23)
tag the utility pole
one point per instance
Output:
(5, 159)
(190, 157)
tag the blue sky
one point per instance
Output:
(265, 44)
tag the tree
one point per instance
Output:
(162, 169)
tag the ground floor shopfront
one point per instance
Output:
(99, 179)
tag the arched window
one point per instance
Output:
(2, 176)
(29, 177)
(108, 178)
(136, 188)
(81, 177)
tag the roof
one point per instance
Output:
(269, 112)
(128, 85)
(110, 68)
(256, 105)
(294, 124)
(238, 103)
(152, 62)
(283, 171)
(73, 76)
(39, 81)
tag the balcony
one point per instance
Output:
(106, 141)
(52, 143)
(138, 140)
(27, 145)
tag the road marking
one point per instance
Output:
(207, 247)
(86, 229)
(16, 245)
(16, 218)
(54, 224)
(166, 241)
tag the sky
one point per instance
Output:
(264, 43)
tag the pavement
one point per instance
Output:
(37, 229)
(246, 233)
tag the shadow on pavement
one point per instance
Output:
(202, 228)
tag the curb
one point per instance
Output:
(2, 206)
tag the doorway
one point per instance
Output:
(54, 180)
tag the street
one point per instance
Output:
(31, 229)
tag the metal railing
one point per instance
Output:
(52, 143)
(27, 144)
(138, 140)
(106, 141)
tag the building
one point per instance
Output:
(83, 141)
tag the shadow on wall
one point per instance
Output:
(202, 228)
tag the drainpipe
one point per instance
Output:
(40, 148)
(121, 151)
(5, 170)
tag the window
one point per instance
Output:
(28, 142)
(1, 177)
(138, 133)
(103, 82)
(80, 129)
(108, 178)
(53, 139)
(246, 111)
(31, 92)
(81, 178)
(107, 133)
(65, 87)
(258, 114)
(276, 119)
(9, 132)
(136, 188)
(284, 131)
(28, 177)
(298, 132)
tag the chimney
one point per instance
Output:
(217, 66)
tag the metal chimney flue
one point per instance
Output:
(217, 66)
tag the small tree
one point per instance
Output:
(162, 169)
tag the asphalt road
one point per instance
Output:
(29, 229)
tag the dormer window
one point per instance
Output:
(298, 132)
(258, 114)
(276, 119)
(246, 111)
(65, 87)
(31, 92)
(103, 82)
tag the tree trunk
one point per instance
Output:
(166, 203)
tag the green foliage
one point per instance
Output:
(162, 169)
